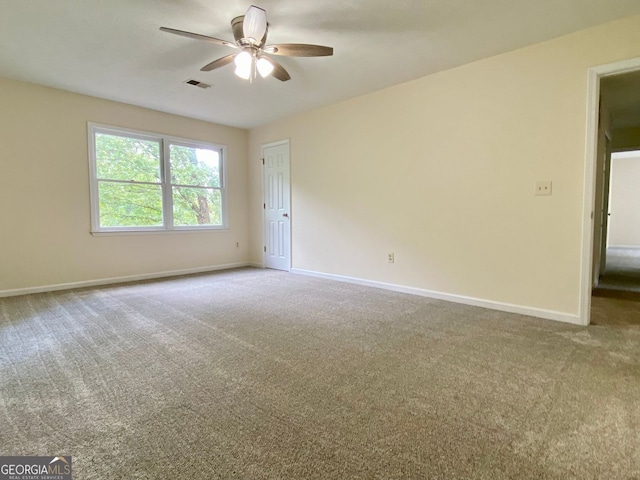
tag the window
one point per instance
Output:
(148, 182)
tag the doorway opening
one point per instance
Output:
(620, 263)
(609, 261)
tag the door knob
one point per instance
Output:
(285, 215)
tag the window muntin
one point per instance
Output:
(144, 182)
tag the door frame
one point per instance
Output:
(591, 151)
(264, 231)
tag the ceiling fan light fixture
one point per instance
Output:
(243, 63)
(244, 73)
(255, 24)
(265, 67)
(243, 60)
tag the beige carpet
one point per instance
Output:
(258, 374)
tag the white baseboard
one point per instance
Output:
(626, 247)
(477, 302)
(108, 281)
(504, 307)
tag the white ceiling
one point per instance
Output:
(113, 48)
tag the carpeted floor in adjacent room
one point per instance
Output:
(258, 374)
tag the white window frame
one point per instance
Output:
(165, 142)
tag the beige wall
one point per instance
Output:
(624, 223)
(44, 193)
(441, 171)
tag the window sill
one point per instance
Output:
(111, 233)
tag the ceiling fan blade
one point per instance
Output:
(299, 50)
(221, 62)
(279, 72)
(255, 23)
(197, 36)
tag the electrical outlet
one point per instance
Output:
(543, 187)
(391, 258)
(237, 244)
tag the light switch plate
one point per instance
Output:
(543, 187)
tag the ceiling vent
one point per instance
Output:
(196, 83)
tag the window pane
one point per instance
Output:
(127, 205)
(196, 206)
(194, 166)
(124, 158)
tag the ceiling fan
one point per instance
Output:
(250, 34)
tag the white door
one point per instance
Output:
(277, 199)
